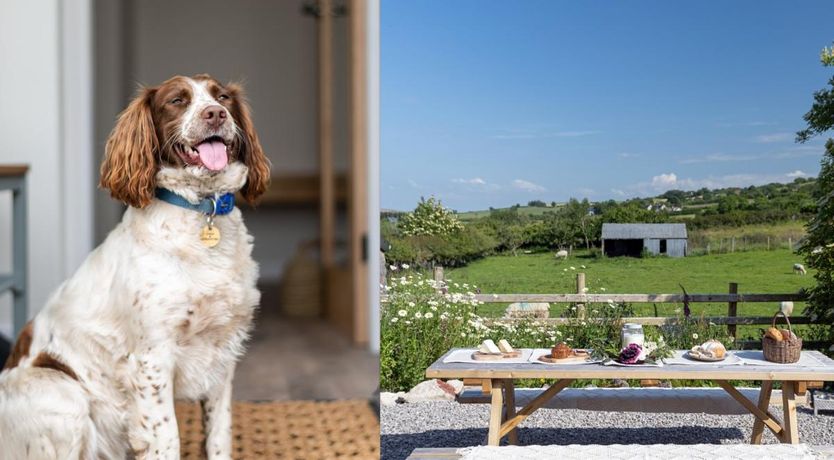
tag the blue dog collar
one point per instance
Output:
(218, 206)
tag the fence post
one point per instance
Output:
(438, 277)
(732, 311)
(580, 289)
(768, 243)
(733, 245)
(790, 243)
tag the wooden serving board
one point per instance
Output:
(570, 359)
(478, 356)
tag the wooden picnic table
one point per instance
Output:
(504, 419)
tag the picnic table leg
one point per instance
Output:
(509, 411)
(495, 413)
(791, 433)
(764, 402)
(760, 414)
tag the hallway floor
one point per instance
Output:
(298, 359)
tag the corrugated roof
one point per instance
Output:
(640, 231)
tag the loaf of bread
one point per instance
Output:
(786, 334)
(713, 348)
(774, 334)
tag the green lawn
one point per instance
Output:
(754, 271)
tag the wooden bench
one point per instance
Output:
(742, 451)
(663, 400)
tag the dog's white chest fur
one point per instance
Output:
(151, 315)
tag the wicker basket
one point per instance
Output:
(785, 351)
(301, 283)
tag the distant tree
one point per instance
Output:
(674, 197)
(578, 214)
(817, 246)
(429, 218)
(537, 204)
(730, 202)
(633, 213)
(512, 237)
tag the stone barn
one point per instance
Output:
(631, 239)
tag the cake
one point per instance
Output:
(560, 351)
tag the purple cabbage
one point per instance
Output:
(631, 354)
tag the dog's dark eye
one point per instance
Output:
(223, 97)
(176, 101)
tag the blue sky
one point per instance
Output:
(491, 103)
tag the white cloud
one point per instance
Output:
(626, 155)
(413, 184)
(585, 192)
(665, 181)
(528, 186)
(797, 173)
(473, 181)
(774, 137)
(618, 192)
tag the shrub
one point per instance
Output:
(454, 249)
(429, 218)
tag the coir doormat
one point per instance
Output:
(289, 430)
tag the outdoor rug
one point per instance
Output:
(289, 430)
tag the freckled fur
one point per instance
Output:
(150, 316)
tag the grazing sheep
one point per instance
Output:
(786, 307)
(799, 269)
(562, 254)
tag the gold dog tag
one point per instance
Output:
(210, 236)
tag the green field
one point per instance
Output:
(522, 211)
(754, 271)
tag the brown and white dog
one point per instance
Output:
(154, 313)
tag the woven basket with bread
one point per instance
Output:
(781, 345)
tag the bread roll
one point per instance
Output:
(786, 334)
(774, 334)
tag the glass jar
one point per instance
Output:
(632, 333)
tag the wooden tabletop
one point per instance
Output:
(492, 370)
(13, 170)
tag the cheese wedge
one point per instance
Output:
(488, 347)
(505, 346)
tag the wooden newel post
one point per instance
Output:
(438, 276)
(580, 289)
(732, 311)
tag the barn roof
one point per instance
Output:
(640, 231)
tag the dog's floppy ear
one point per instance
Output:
(130, 158)
(249, 147)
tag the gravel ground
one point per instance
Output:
(406, 427)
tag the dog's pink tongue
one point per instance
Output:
(213, 155)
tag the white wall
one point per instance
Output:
(43, 56)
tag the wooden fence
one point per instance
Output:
(731, 298)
